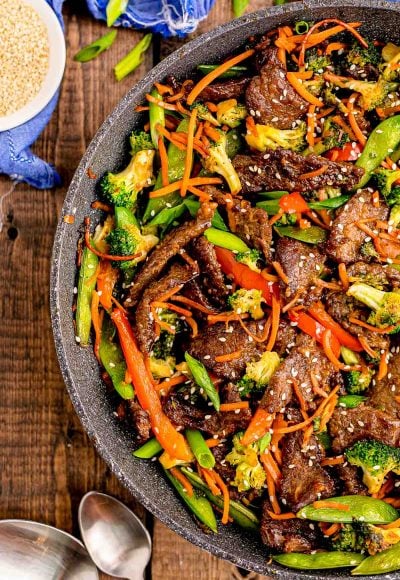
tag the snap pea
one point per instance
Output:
(238, 512)
(271, 205)
(383, 140)
(113, 361)
(386, 561)
(168, 215)
(217, 221)
(93, 50)
(234, 71)
(156, 117)
(86, 285)
(311, 235)
(202, 379)
(176, 168)
(331, 203)
(273, 194)
(351, 401)
(320, 560)
(198, 504)
(199, 447)
(362, 508)
(148, 450)
(226, 240)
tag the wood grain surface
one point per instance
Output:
(47, 461)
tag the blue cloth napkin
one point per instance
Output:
(168, 17)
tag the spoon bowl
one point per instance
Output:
(33, 551)
(115, 538)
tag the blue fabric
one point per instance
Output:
(167, 17)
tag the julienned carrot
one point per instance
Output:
(394, 524)
(310, 136)
(388, 111)
(169, 306)
(317, 25)
(169, 293)
(177, 473)
(210, 481)
(343, 276)
(318, 311)
(193, 304)
(160, 103)
(318, 37)
(316, 172)
(225, 493)
(333, 505)
(302, 91)
(211, 76)
(271, 466)
(272, 494)
(276, 308)
(258, 426)
(383, 366)
(299, 395)
(169, 383)
(96, 321)
(334, 46)
(333, 460)
(234, 406)
(176, 185)
(333, 529)
(189, 152)
(172, 441)
(193, 325)
(326, 343)
(286, 516)
(106, 281)
(228, 357)
(280, 272)
(164, 161)
(361, 138)
(386, 330)
(212, 443)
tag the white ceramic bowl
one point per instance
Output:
(54, 73)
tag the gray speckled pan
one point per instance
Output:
(79, 366)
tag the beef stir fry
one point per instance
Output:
(242, 291)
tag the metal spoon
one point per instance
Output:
(33, 551)
(115, 538)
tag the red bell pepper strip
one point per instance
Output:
(258, 426)
(313, 328)
(293, 203)
(173, 442)
(244, 277)
(318, 312)
(349, 152)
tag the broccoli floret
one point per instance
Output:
(122, 188)
(385, 306)
(361, 57)
(218, 161)
(250, 473)
(258, 374)
(355, 382)
(332, 136)
(126, 239)
(315, 85)
(204, 113)
(372, 93)
(231, 113)
(266, 137)
(348, 539)
(376, 459)
(368, 251)
(391, 57)
(250, 258)
(317, 63)
(386, 179)
(250, 301)
(394, 217)
(162, 356)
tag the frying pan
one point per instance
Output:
(108, 151)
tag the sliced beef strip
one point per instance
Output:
(137, 419)
(347, 426)
(303, 266)
(144, 323)
(197, 414)
(341, 307)
(270, 97)
(218, 339)
(383, 277)
(232, 89)
(280, 170)
(194, 291)
(293, 535)
(383, 392)
(286, 337)
(167, 249)
(345, 240)
(211, 276)
(350, 480)
(304, 359)
(303, 478)
(225, 469)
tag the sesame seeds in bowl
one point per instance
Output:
(32, 59)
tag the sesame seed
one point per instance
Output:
(207, 417)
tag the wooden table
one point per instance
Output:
(47, 462)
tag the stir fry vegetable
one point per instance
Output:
(242, 292)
